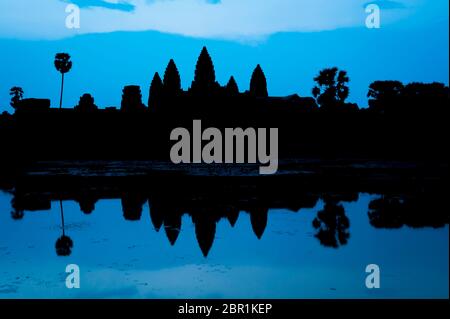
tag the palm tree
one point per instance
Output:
(63, 65)
(331, 90)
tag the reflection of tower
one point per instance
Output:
(258, 218)
(172, 225)
(232, 214)
(132, 206)
(205, 230)
(63, 244)
(86, 202)
(156, 215)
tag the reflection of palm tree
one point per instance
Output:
(332, 225)
(63, 244)
(63, 65)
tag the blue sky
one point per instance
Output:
(125, 42)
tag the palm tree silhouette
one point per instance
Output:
(63, 65)
(332, 89)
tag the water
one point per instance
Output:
(120, 258)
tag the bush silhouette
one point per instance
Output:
(258, 83)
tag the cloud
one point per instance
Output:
(222, 19)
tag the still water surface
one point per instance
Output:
(120, 258)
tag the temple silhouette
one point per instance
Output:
(402, 122)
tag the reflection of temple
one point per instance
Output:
(164, 213)
(208, 200)
(204, 218)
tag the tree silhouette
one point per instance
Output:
(331, 90)
(172, 81)
(422, 98)
(62, 65)
(132, 99)
(395, 211)
(392, 97)
(205, 77)
(385, 90)
(232, 87)
(86, 104)
(16, 93)
(332, 225)
(258, 83)
(385, 95)
(155, 92)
